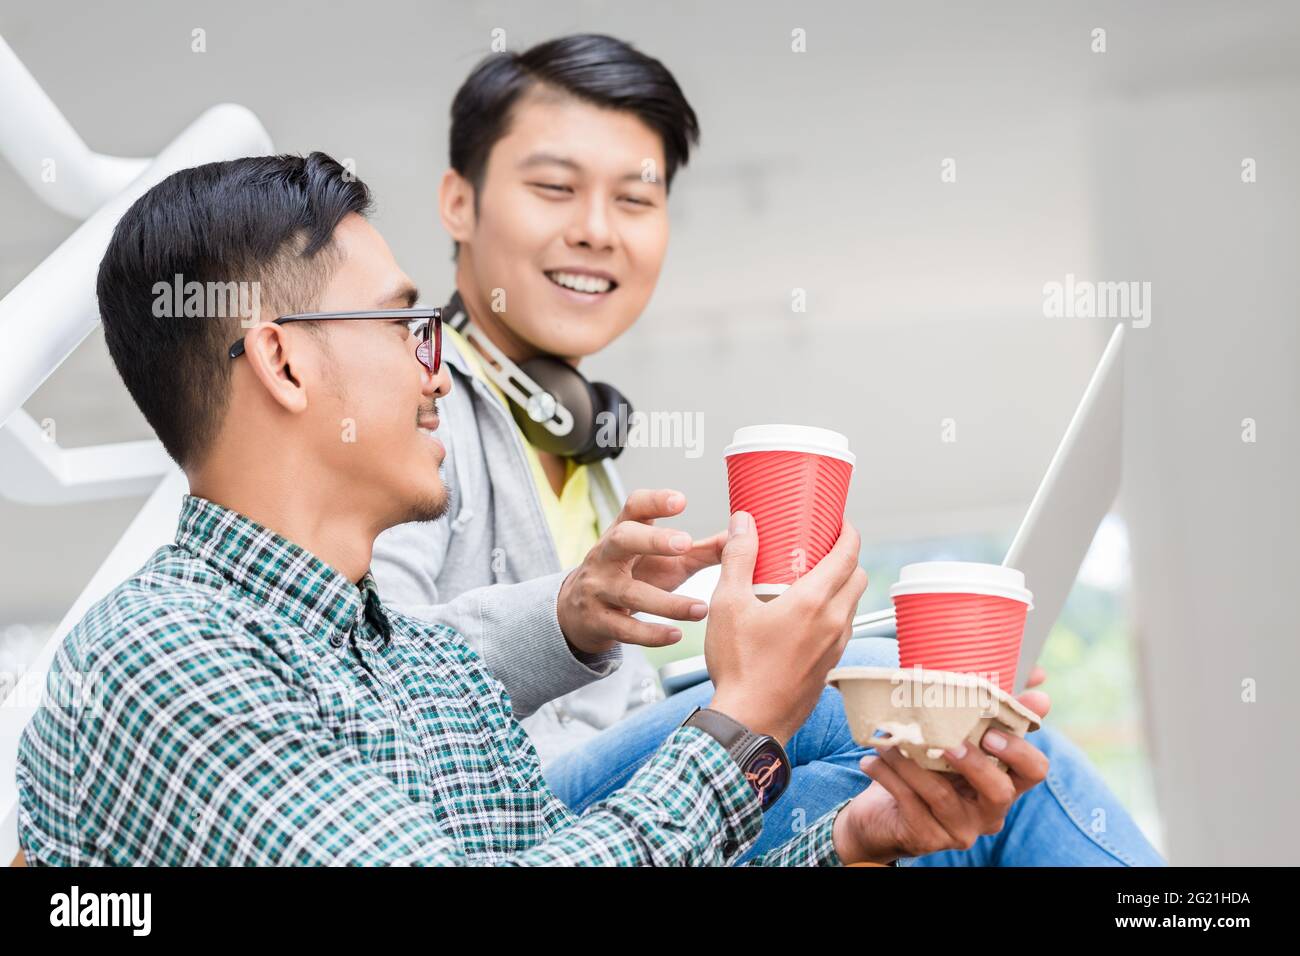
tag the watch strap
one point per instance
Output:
(745, 747)
(732, 734)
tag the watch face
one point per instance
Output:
(768, 773)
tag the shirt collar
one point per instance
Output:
(454, 356)
(277, 573)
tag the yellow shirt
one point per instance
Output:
(570, 515)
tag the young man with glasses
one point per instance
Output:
(254, 701)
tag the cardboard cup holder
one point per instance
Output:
(923, 713)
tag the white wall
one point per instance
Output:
(1214, 519)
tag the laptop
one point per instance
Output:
(1076, 492)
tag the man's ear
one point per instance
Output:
(456, 205)
(277, 365)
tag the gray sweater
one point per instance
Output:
(490, 570)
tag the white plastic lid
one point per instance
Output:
(962, 577)
(806, 438)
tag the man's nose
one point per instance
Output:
(435, 384)
(591, 226)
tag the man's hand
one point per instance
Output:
(911, 811)
(769, 661)
(635, 567)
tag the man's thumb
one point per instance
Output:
(740, 552)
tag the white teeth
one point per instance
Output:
(580, 283)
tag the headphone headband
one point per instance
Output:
(561, 414)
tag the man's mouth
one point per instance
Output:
(427, 425)
(588, 283)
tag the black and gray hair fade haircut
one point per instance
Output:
(268, 220)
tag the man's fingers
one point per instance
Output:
(993, 789)
(739, 554)
(1036, 677)
(645, 505)
(834, 570)
(1036, 700)
(638, 596)
(628, 630)
(944, 803)
(629, 539)
(928, 831)
(1026, 764)
(675, 569)
(706, 553)
(844, 603)
(882, 773)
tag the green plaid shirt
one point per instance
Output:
(241, 702)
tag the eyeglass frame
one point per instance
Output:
(431, 343)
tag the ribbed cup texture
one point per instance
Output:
(797, 500)
(963, 633)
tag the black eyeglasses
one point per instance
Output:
(428, 351)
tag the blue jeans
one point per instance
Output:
(1070, 819)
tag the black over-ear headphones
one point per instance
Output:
(556, 408)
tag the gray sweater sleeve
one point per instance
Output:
(512, 627)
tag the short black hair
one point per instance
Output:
(599, 69)
(267, 220)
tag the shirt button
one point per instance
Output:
(336, 639)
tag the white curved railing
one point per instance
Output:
(61, 290)
(45, 317)
(36, 471)
(46, 151)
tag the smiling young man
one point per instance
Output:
(561, 159)
(557, 198)
(254, 700)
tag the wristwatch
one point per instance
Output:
(761, 758)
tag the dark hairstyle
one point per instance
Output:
(592, 67)
(267, 220)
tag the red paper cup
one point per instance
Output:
(794, 480)
(963, 617)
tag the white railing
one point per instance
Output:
(36, 471)
(46, 316)
(49, 312)
(46, 151)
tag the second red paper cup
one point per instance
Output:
(794, 480)
(963, 617)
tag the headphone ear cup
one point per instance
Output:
(572, 391)
(613, 407)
